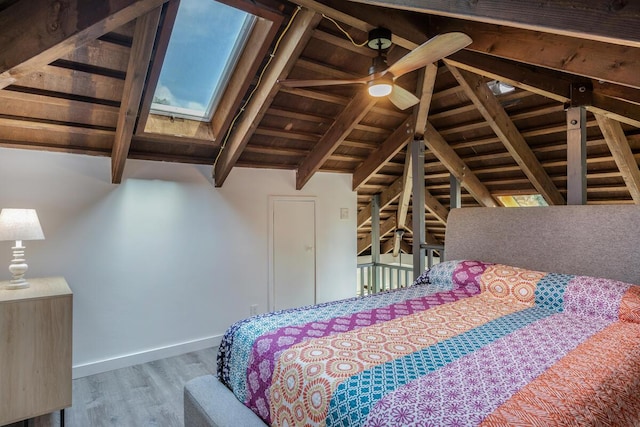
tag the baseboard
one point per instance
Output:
(124, 361)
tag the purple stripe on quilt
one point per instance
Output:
(590, 296)
(268, 347)
(464, 392)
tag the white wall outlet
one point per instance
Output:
(253, 309)
(344, 213)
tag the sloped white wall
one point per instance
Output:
(164, 262)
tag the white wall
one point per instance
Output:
(164, 262)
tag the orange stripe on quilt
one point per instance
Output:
(630, 305)
(313, 369)
(597, 383)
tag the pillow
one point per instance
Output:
(448, 275)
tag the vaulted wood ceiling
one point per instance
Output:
(78, 76)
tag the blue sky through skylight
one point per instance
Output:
(206, 37)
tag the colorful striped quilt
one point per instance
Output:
(470, 344)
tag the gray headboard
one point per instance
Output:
(601, 241)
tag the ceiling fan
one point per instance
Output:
(381, 79)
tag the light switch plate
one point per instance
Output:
(344, 213)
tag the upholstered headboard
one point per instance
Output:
(601, 241)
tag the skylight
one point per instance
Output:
(205, 44)
(518, 201)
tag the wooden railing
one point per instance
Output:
(378, 277)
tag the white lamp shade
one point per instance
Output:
(20, 224)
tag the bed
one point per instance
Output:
(533, 321)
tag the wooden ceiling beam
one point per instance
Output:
(435, 207)
(325, 70)
(387, 246)
(290, 48)
(587, 19)
(387, 150)
(139, 57)
(353, 113)
(343, 43)
(441, 149)
(283, 134)
(498, 119)
(33, 106)
(387, 196)
(64, 82)
(281, 112)
(37, 32)
(587, 58)
(429, 238)
(403, 201)
(365, 18)
(426, 83)
(386, 227)
(169, 14)
(547, 83)
(622, 154)
(615, 109)
(262, 35)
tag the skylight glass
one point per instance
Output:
(519, 201)
(205, 44)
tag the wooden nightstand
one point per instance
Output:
(35, 349)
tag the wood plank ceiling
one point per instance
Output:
(80, 79)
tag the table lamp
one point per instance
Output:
(19, 225)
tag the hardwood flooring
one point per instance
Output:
(143, 395)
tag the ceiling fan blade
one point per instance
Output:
(402, 98)
(319, 82)
(430, 51)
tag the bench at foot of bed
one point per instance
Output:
(208, 403)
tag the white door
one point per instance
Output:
(293, 257)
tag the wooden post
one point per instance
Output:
(455, 193)
(417, 164)
(375, 242)
(576, 156)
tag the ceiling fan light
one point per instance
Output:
(380, 89)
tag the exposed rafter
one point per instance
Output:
(439, 147)
(289, 50)
(354, 112)
(262, 35)
(547, 83)
(406, 34)
(486, 102)
(580, 57)
(143, 39)
(387, 196)
(435, 207)
(37, 32)
(403, 202)
(387, 150)
(389, 244)
(622, 154)
(385, 228)
(591, 19)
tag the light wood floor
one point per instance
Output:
(143, 395)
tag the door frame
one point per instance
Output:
(270, 226)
